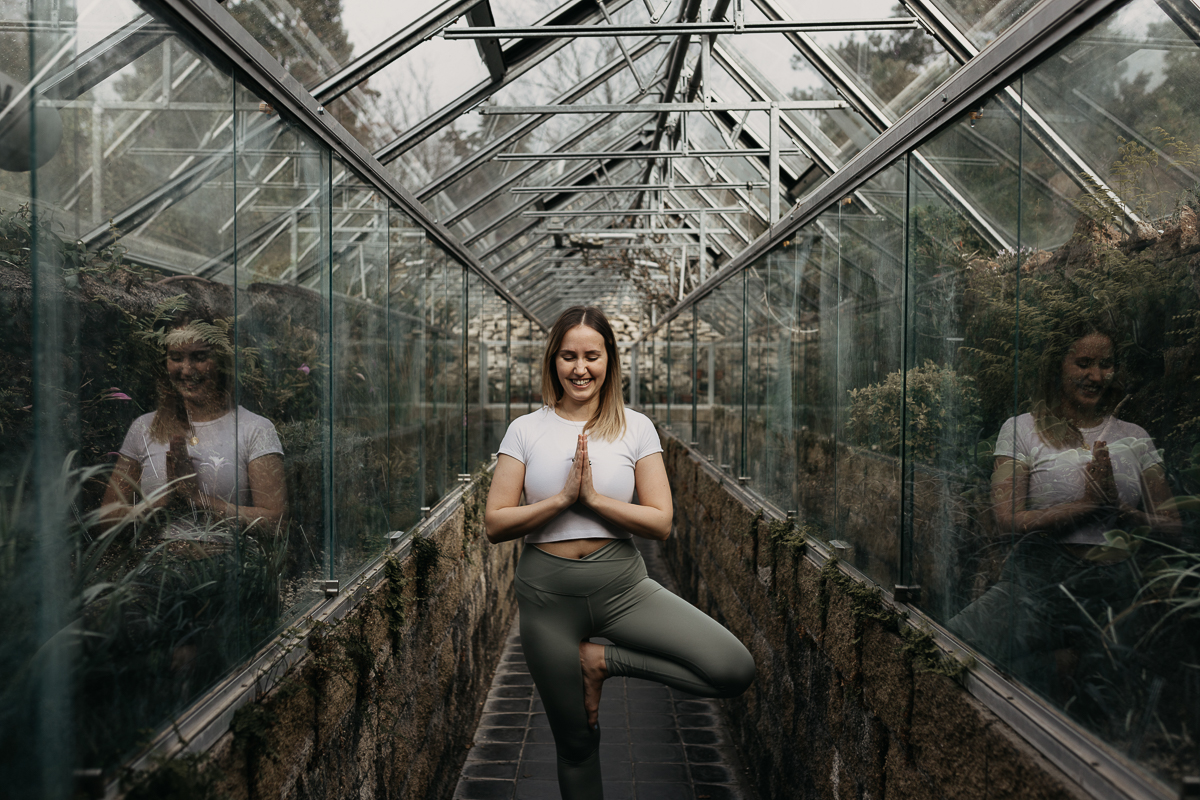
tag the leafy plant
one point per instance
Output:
(940, 407)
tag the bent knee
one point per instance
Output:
(735, 673)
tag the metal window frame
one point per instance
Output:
(215, 27)
(519, 57)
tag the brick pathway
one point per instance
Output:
(657, 743)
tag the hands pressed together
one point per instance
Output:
(182, 477)
(1100, 487)
(579, 487)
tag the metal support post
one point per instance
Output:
(97, 164)
(773, 166)
(705, 57)
(703, 250)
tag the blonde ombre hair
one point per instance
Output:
(608, 423)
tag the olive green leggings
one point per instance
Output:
(658, 636)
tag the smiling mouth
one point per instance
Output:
(581, 381)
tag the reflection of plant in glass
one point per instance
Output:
(147, 624)
(941, 406)
(1137, 181)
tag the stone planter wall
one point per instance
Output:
(386, 703)
(839, 709)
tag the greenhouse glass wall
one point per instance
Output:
(898, 373)
(260, 310)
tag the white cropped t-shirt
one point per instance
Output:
(1056, 474)
(545, 443)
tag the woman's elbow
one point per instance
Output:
(491, 529)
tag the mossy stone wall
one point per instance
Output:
(386, 702)
(839, 710)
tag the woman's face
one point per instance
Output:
(582, 363)
(193, 371)
(1087, 371)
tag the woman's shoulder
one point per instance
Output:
(247, 418)
(142, 423)
(531, 420)
(637, 418)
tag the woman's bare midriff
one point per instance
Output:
(572, 548)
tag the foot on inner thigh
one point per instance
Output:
(591, 659)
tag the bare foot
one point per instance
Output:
(591, 659)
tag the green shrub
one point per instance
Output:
(941, 409)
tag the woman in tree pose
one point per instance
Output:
(1065, 475)
(581, 460)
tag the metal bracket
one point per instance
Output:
(743, 479)
(841, 548)
(907, 594)
(331, 588)
(1190, 788)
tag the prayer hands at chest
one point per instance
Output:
(579, 487)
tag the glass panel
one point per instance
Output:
(359, 322)
(953, 357)
(443, 310)
(720, 348)
(406, 437)
(816, 373)
(475, 371)
(280, 262)
(896, 69)
(308, 38)
(870, 381)
(774, 311)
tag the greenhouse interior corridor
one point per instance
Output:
(909, 291)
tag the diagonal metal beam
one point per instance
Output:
(106, 57)
(519, 56)
(392, 48)
(486, 153)
(1068, 160)
(514, 212)
(489, 49)
(500, 186)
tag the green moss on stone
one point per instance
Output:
(926, 656)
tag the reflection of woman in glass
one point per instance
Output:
(580, 460)
(197, 454)
(1066, 474)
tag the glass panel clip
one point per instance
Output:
(743, 479)
(907, 594)
(1190, 788)
(841, 548)
(331, 588)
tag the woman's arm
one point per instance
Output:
(1010, 490)
(651, 516)
(268, 493)
(1160, 515)
(121, 503)
(505, 518)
